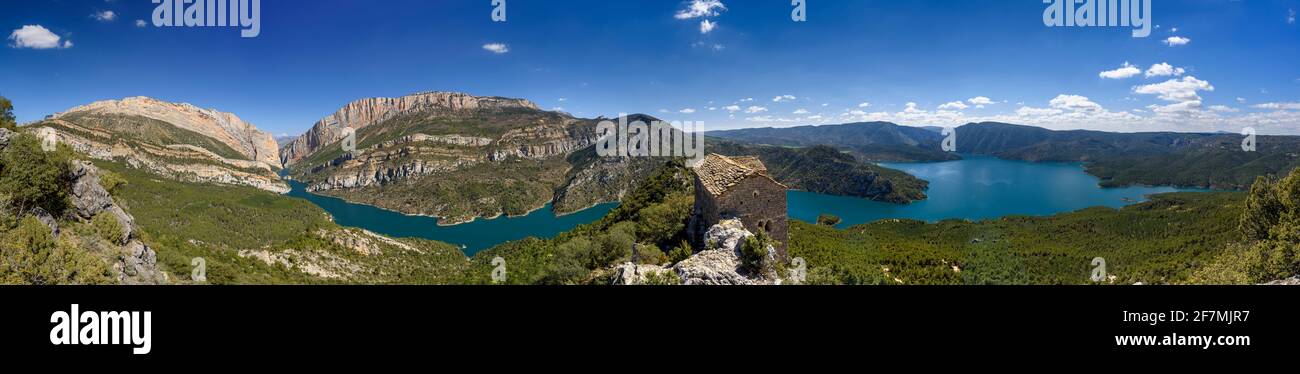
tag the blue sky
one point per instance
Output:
(913, 62)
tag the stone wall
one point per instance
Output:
(757, 201)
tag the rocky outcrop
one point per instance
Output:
(137, 263)
(227, 128)
(180, 162)
(1292, 281)
(365, 112)
(718, 265)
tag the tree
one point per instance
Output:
(33, 178)
(7, 120)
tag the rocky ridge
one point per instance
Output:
(365, 112)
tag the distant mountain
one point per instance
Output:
(1156, 158)
(281, 141)
(180, 141)
(1207, 160)
(873, 141)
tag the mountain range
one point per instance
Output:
(1205, 160)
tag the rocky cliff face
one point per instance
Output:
(459, 157)
(365, 112)
(256, 145)
(179, 141)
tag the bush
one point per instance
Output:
(662, 278)
(753, 253)
(648, 254)
(33, 178)
(663, 222)
(613, 246)
(828, 220)
(681, 253)
(111, 181)
(30, 255)
(109, 228)
(1270, 223)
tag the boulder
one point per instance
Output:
(90, 199)
(47, 219)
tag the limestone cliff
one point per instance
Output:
(243, 137)
(365, 112)
(179, 141)
(459, 157)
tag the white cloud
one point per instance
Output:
(37, 37)
(1241, 100)
(755, 109)
(800, 111)
(862, 105)
(104, 16)
(562, 99)
(686, 111)
(140, 23)
(1164, 69)
(911, 108)
(980, 101)
(497, 48)
(1125, 71)
(1223, 108)
(1278, 106)
(713, 108)
(732, 108)
(1177, 41)
(1025, 111)
(1176, 90)
(783, 98)
(1074, 103)
(954, 105)
(747, 99)
(1290, 16)
(706, 26)
(701, 8)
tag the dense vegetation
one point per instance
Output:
(824, 169)
(653, 217)
(1270, 236)
(234, 229)
(34, 185)
(1158, 158)
(1161, 241)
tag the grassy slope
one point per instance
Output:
(182, 221)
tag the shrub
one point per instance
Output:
(108, 227)
(661, 223)
(33, 178)
(662, 278)
(828, 220)
(681, 253)
(30, 255)
(613, 246)
(111, 181)
(753, 253)
(649, 254)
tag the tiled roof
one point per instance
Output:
(719, 173)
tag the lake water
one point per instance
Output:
(474, 236)
(979, 187)
(974, 188)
